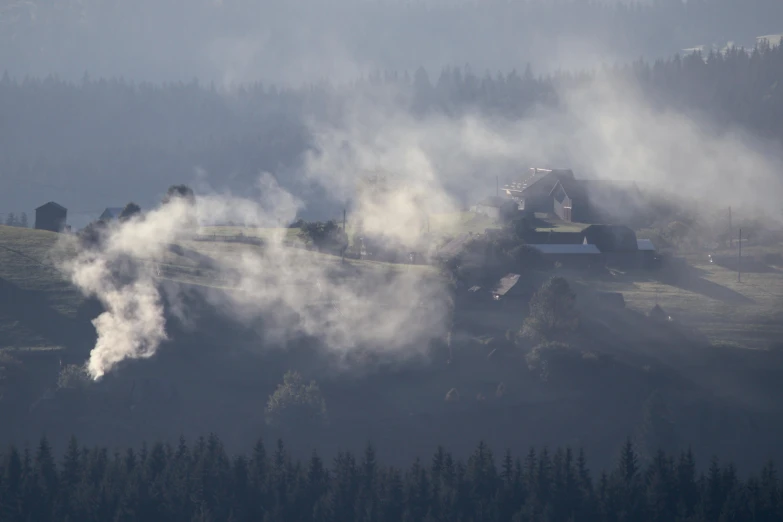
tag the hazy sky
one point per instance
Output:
(241, 40)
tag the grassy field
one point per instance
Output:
(288, 234)
(747, 314)
(31, 286)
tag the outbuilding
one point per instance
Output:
(51, 216)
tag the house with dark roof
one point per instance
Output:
(558, 192)
(51, 216)
(620, 246)
(534, 193)
(596, 246)
(111, 213)
(596, 200)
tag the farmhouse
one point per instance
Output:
(51, 216)
(534, 194)
(558, 192)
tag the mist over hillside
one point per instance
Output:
(99, 143)
(308, 235)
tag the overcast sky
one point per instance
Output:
(230, 41)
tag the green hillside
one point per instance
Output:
(33, 294)
(744, 314)
(619, 358)
(708, 297)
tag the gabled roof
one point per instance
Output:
(112, 211)
(611, 238)
(559, 192)
(549, 248)
(505, 284)
(645, 244)
(553, 175)
(52, 203)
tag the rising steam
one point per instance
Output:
(292, 290)
(602, 130)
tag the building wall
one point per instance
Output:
(50, 218)
(578, 261)
(563, 210)
(493, 212)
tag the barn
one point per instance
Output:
(51, 216)
(620, 246)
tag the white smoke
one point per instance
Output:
(602, 130)
(291, 289)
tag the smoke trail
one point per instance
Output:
(293, 290)
(607, 129)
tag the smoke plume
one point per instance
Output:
(428, 165)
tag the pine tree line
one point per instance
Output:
(200, 482)
(12, 220)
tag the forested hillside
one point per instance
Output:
(200, 481)
(97, 142)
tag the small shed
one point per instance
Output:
(510, 288)
(648, 255)
(51, 216)
(111, 213)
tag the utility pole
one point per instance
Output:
(739, 259)
(497, 186)
(344, 230)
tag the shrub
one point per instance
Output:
(296, 404)
(179, 191)
(556, 359)
(130, 210)
(526, 256)
(73, 377)
(546, 357)
(324, 236)
(93, 234)
(552, 311)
